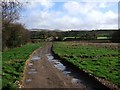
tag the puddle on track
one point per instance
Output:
(31, 69)
(32, 72)
(77, 78)
(28, 80)
(50, 57)
(35, 58)
(30, 64)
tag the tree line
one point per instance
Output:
(112, 35)
(13, 34)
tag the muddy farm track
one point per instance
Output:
(41, 73)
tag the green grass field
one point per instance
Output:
(70, 38)
(98, 61)
(103, 38)
(13, 62)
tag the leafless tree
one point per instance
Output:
(10, 10)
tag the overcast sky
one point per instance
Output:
(67, 15)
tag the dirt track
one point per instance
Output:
(42, 74)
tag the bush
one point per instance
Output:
(14, 35)
(116, 37)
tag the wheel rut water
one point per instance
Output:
(76, 77)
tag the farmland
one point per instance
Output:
(97, 60)
(13, 64)
(59, 45)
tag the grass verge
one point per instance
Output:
(13, 62)
(98, 61)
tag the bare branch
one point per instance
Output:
(10, 10)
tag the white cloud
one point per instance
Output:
(92, 14)
(68, 22)
(32, 4)
(98, 19)
(72, 7)
(47, 4)
(100, 0)
(103, 5)
(79, 7)
(73, 15)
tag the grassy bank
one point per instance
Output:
(98, 61)
(13, 62)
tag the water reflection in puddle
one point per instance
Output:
(57, 64)
(28, 80)
(77, 78)
(32, 71)
(50, 57)
(66, 72)
(30, 64)
(35, 58)
(61, 67)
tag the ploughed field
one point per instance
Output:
(98, 59)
